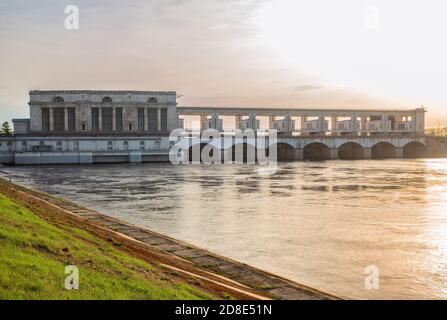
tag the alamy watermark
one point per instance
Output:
(372, 277)
(229, 147)
(71, 21)
(372, 20)
(72, 280)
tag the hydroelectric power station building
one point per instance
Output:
(101, 126)
(88, 126)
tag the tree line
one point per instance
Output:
(437, 132)
(5, 129)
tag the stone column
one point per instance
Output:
(354, 124)
(77, 119)
(215, 121)
(367, 153)
(303, 124)
(385, 123)
(50, 110)
(334, 128)
(159, 119)
(322, 122)
(363, 125)
(238, 119)
(399, 152)
(203, 121)
(146, 122)
(66, 119)
(288, 120)
(89, 119)
(413, 122)
(252, 121)
(271, 120)
(114, 119)
(99, 119)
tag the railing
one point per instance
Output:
(324, 134)
(12, 176)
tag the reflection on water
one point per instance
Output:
(320, 224)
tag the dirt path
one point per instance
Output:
(213, 272)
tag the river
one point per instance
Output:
(318, 223)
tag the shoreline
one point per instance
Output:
(215, 271)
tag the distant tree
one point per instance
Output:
(437, 132)
(6, 130)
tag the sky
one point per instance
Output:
(284, 53)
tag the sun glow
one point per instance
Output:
(381, 48)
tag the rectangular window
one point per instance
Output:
(59, 119)
(71, 119)
(107, 119)
(140, 119)
(95, 119)
(153, 119)
(164, 119)
(45, 119)
(119, 119)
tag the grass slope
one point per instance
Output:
(34, 254)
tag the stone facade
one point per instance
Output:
(74, 112)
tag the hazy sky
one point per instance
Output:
(319, 53)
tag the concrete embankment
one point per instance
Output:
(220, 273)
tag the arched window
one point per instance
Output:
(59, 146)
(157, 145)
(106, 100)
(109, 145)
(141, 145)
(58, 99)
(152, 100)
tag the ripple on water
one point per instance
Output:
(317, 223)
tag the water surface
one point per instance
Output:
(318, 223)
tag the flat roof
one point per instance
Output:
(100, 91)
(223, 110)
(21, 120)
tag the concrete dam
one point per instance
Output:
(106, 126)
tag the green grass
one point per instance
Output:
(34, 254)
